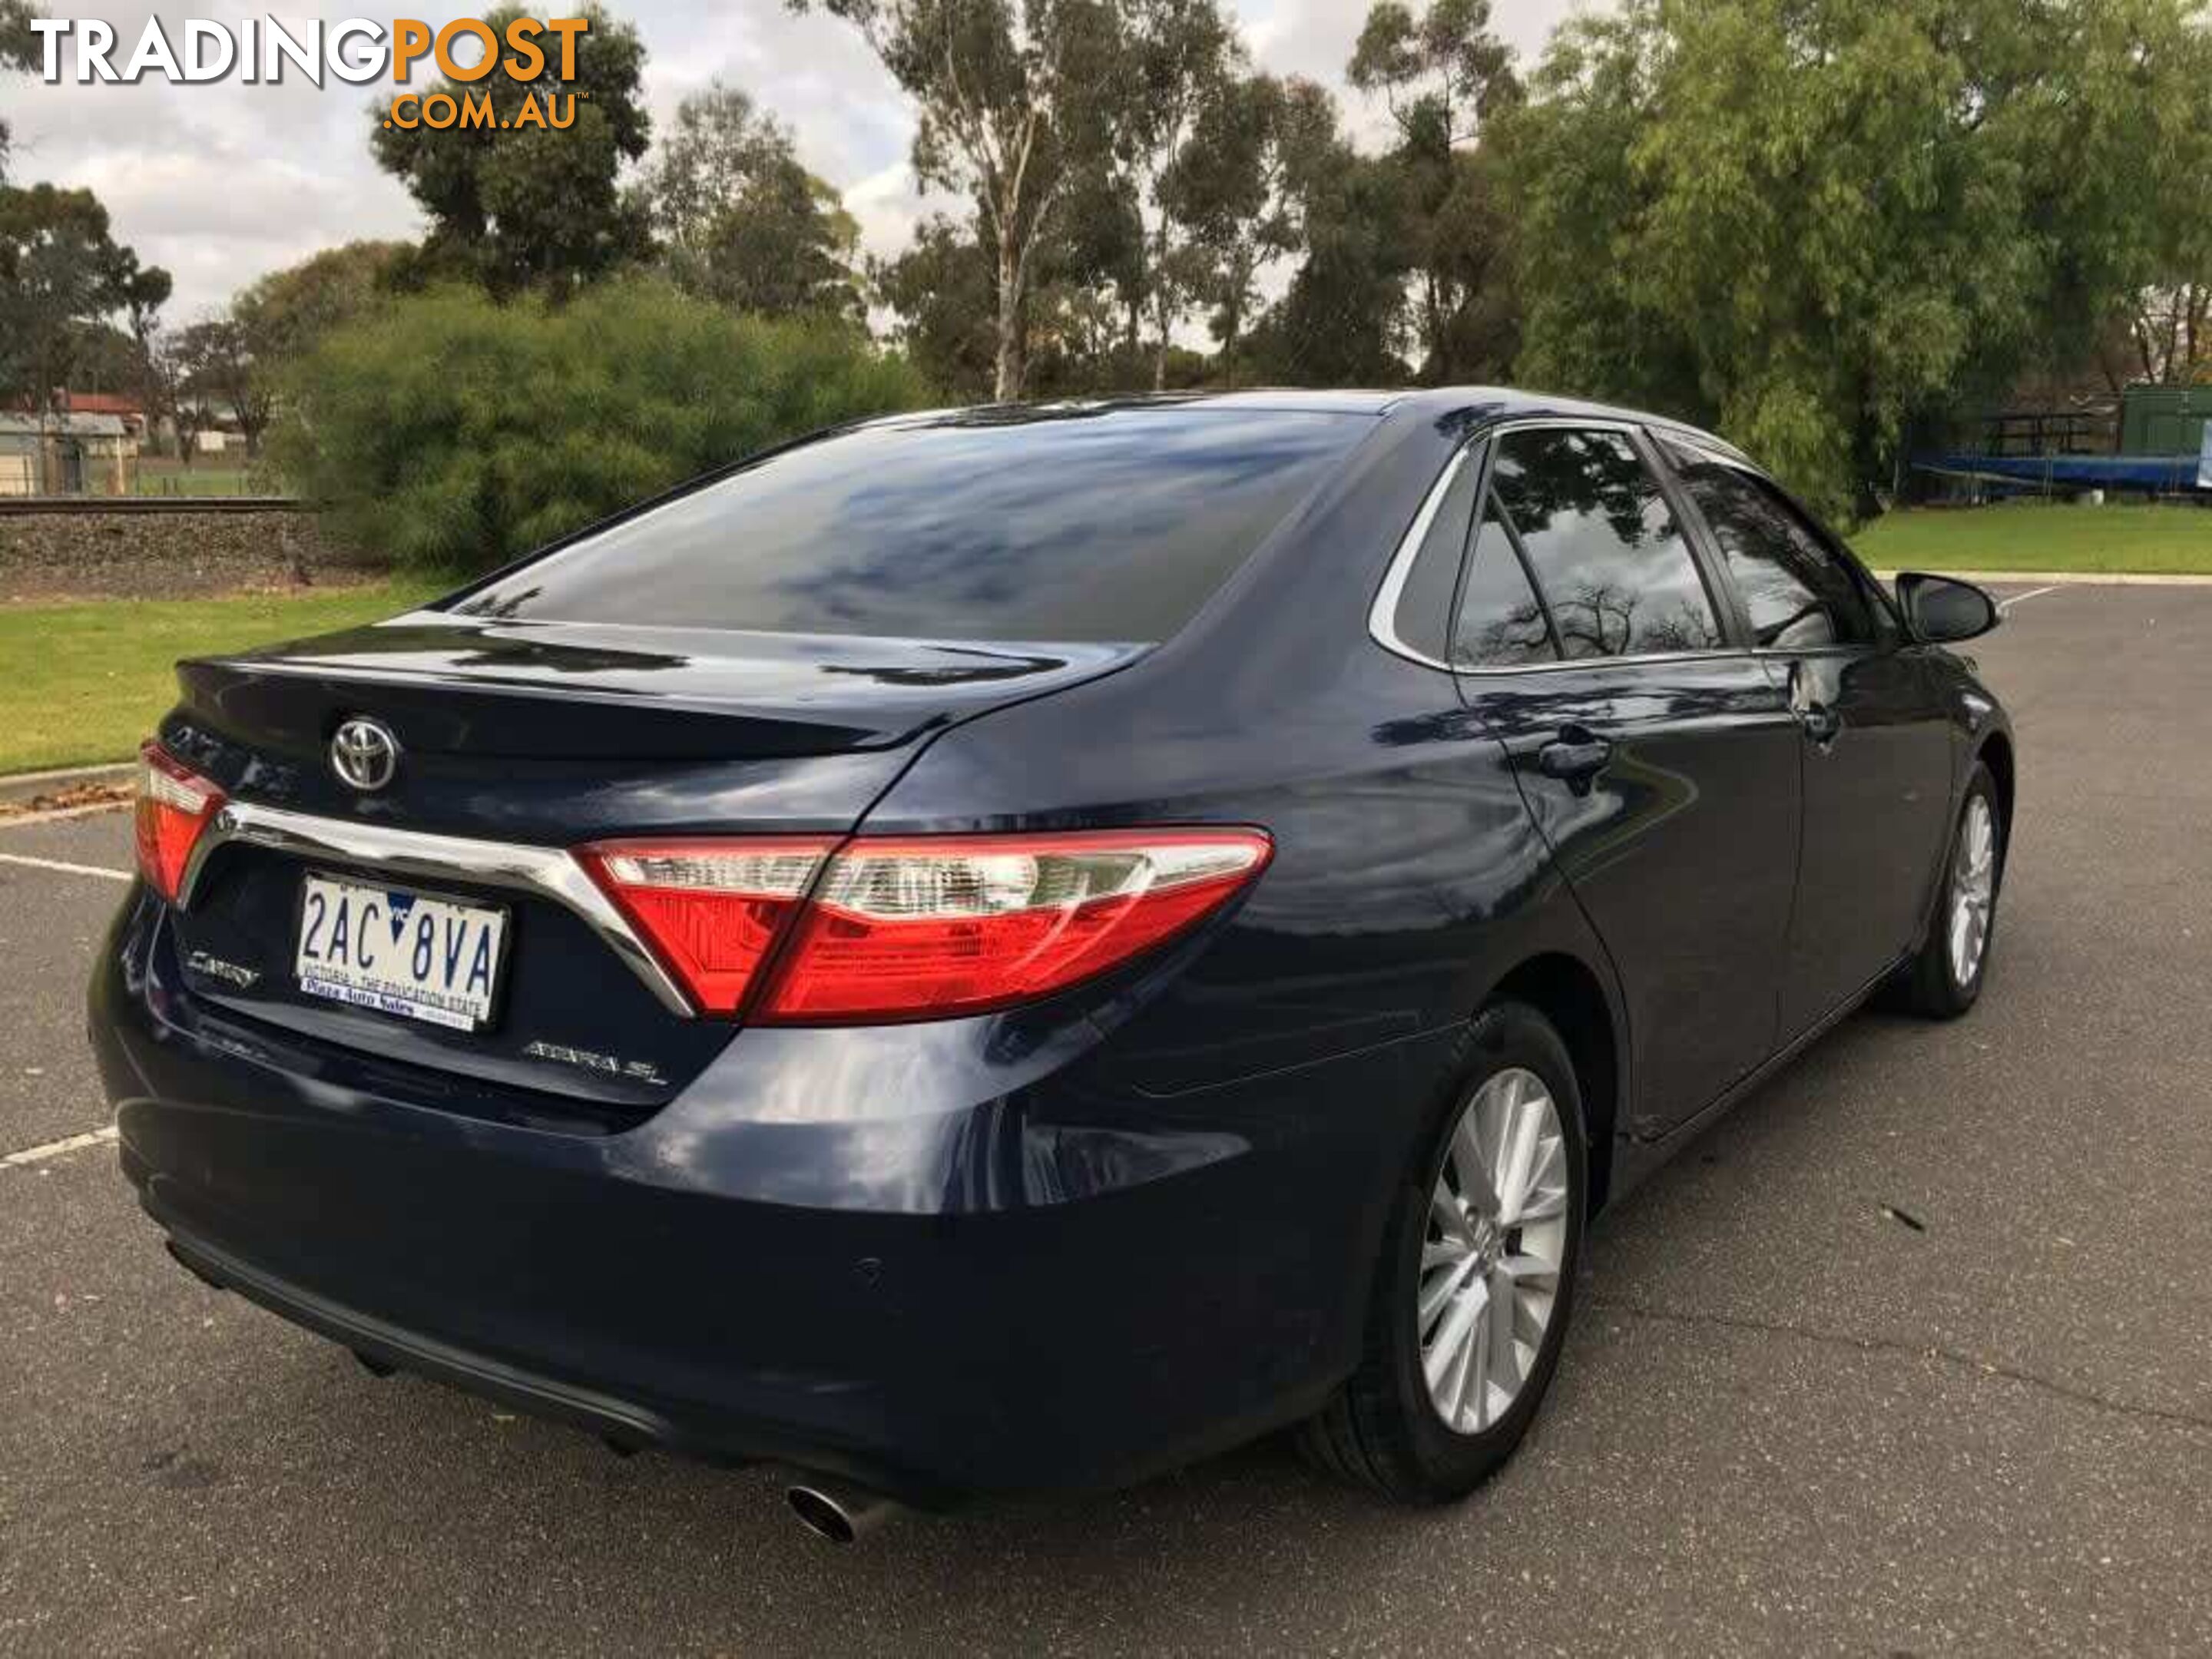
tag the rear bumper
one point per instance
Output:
(632, 1423)
(1001, 1282)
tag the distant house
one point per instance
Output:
(218, 430)
(125, 406)
(72, 454)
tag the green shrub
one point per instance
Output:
(453, 434)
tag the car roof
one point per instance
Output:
(1468, 406)
(1292, 400)
(1485, 404)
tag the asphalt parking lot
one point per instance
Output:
(1913, 1353)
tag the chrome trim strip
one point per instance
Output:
(1383, 614)
(1564, 423)
(1718, 654)
(548, 872)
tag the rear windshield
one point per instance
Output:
(1105, 526)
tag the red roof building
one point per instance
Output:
(126, 407)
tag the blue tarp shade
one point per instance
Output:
(2168, 472)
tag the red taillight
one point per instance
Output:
(175, 803)
(924, 928)
(915, 929)
(710, 909)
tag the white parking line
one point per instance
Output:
(57, 1148)
(65, 868)
(2004, 606)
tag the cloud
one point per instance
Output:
(218, 182)
(890, 205)
(222, 182)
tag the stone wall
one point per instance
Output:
(91, 554)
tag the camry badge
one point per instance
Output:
(216, 968)
(364, 753)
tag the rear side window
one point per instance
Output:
(1423, 617)
(1616, 572)
(1097, 525)
(1501, 622)
(1799, 595)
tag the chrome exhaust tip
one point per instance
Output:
(837, 1511)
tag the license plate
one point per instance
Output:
(400, 952)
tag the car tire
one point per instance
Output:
(1386, 1429)
(1945, 979)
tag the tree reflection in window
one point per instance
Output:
(1799, 595)
(1501, 623)
(1614, 567)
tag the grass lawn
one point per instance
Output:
(2134, 539)
(86, 682)
(206, 478)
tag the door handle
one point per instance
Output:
(1574, 756)
(1822, 724)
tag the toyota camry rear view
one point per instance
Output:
(1006, 950)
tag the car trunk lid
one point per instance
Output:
(544, 737)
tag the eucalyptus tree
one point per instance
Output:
(19, 50)
(1179, 61)
(939, 292)
(1443, 70)
(221, 361)
(1016, 104)
(521, 207)
(1228, 188)
(1077, 321)
(62, 273)
(741, 221)
(1341, 320)
(139, 291)
(1443, 75)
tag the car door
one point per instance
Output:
(1875, 747)
(1657, 753)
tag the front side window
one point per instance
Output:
(1800, 596)
(1616, 572)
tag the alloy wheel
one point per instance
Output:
(1490, 1260)
(1973, 889)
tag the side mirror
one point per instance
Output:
(1943, 611)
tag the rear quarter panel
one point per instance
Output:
(1313, 1025)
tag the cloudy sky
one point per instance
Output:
(221, 182)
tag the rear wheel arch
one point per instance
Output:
(1569, 993)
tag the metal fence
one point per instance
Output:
(63, 459)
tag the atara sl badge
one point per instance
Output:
(637, 1071)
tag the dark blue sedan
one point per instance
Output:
(1008, 950)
